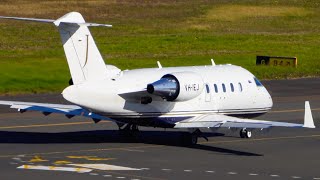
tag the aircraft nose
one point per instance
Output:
(269, 100)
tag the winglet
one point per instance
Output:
(308, 120)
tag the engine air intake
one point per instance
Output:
(180, 86)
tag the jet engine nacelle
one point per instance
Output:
(179, 86)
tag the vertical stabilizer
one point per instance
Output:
(84, 59)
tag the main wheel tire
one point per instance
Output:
(194, 139)
(248, 134)
(189, 139)
(245, 133)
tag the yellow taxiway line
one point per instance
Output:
(292, 110)
(84, 150)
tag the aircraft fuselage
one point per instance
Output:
(225, 89)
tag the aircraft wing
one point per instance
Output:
(68, 110)
(218, 121)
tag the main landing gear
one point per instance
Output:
(245, 133)
(128, 129)
(189, 139)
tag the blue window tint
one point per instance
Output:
(216, 88)
(232, 88)
(224, 88)
(240, 87)
(258, 83)
(207, 88)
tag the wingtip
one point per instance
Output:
(308, 119)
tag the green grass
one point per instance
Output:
(177, 33)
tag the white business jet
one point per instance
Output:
(193, 98)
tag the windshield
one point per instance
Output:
(258, 83)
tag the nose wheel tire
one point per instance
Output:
(244, 133)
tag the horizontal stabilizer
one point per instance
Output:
(28, 19)
(56, 22)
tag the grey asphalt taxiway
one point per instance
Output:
(33, 146)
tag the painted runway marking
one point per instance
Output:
(232, 173)
(114, 173)
(105, 167)
(133, 150)
(210, 171)
(94, 174)
(62, 162)
(296, 177)
(90, 158)
(121, 177)
(187, 170)
(37, 159)
(274, 175)
(107, 175)
(316, 178)
(166, 169)
(145, 168)
(49, 125)
(17, 159)
(252, 174)
(54, 168)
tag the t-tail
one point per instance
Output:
(84, 59)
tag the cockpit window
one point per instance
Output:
(258, 83)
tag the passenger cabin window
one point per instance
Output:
(207, 88)
(215, 88)
(224, 87)
(258, 83)
(232, 88)
(240, 87)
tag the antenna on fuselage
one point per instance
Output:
(212, 62)
(159, 64)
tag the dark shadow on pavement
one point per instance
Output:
(168, 138)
